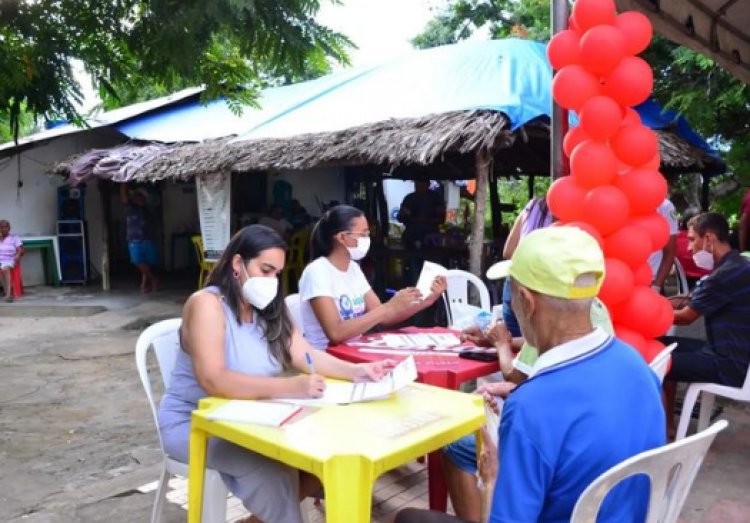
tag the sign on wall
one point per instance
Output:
(213, 207)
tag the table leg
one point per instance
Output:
(437, 488)
(348, 482)
(196, 473)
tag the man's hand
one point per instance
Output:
(475, 335)
(679, 301)
(499, 335)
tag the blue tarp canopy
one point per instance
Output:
(511, 75)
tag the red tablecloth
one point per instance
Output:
(433, 368)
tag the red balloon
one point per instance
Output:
(655, 226)
(600, 117)
(643, 274)
(632, 337)
(593, 164)
(636, 28)
(630, 244)
(563, 49)
(606, 208)
(631, 116)
(573, 137)
(662, 318)
(644, 188)
(573, 85)
(653, 164)
(631, 82)
(565, 199)
(602, 48)
(588, 228)
(572, 25)
(618, 282)
(635, 144)
(588, 13)
(639, 309)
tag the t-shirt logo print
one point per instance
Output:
(350, 309)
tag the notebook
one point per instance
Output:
(257, 412)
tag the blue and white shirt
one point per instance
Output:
(347, 288)
(588, 405)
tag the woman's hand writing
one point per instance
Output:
(309, 385)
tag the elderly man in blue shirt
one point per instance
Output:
(589, 403)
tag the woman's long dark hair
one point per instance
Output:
(541, 202)
(249, 242)
(333, 221)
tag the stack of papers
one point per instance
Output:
(261, 413)
(421, 340)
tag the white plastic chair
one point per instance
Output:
(294, 304)
(671, 470)
(661, 361)
(458, 294)
(682, 283)
(164, 338)
(709, 390)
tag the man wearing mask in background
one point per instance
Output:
(723, 298)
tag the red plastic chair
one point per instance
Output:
(16, 281)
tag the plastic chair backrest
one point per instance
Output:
(682, 284)
(458, 288)
(671, 469)
(164, 337)
(198, 244)
(294, 304)
(661, 361)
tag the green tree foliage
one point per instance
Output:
(138, 48)
(715, 103)
(459, 19)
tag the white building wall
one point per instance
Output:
(32, 207)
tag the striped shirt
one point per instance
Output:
(723, 298)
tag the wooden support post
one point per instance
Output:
(105, 202)
(559, 165)
(482, 167)
(497, 218)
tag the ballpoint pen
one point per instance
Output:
(310, 362)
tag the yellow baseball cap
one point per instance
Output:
(552, 260)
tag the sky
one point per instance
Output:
(380, 28)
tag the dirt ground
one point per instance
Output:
(76, 434)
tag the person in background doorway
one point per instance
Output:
(661, 261)
(337, 301)
(11, 250)
(140, 236)
(299, 217)
(421, 212)
(745, 223)
(276, 221)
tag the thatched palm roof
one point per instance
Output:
(411, 141)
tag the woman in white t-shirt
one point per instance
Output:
(337, 301)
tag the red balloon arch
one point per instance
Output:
(615, 187)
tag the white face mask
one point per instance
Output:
(704, 260)
(360, 251)
(259, 291)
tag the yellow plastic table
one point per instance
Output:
(346, 446)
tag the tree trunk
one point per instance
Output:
(482, 167)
